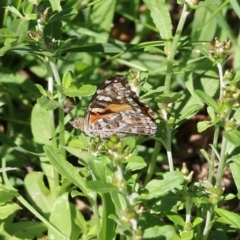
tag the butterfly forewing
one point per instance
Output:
(116, 109)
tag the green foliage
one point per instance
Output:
(77, 187)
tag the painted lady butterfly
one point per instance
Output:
(116, 109)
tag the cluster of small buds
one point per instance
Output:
(228, 76)
(129, 217)
(187, 226)
(134, 82)
(230, 125)
(215, 194)
(96, 145)
(221, 49)
(37, 36)
(118, 182)
(230, 97)
(116, 151)
(166, 113)
(187, 176)
(192, 3)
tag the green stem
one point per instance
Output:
(222, 85)
(212, 162)
(222, 163)
(222, 160)
(60, 111)
(153, 161)
(169, 148)
(172, 52)
(208, 224)
(188, 206)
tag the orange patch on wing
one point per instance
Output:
(94, 117)
(115, 108)
(109, 110)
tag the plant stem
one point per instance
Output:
(172, 51)
(60, 111)
(207, 225)
(170, 60)
(222, 160)
(153, 161)
(222, 163)
(222, 85)
(212, 164)
(169, 148)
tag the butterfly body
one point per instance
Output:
(116, 109)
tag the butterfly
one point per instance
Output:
(115, 109)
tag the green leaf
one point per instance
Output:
(60, 16)
(100, 186)
(152, 91)
(156, 188)
(98, 167)
(67, 79)
(7, 194)
(197, 221)
(108, 229)
(6, 140)
(27, 8)
(65, 168)
(176, 219)
(235, 170)
(129, 142)
(56, 5)
(206, 99)
(84, 91)
(169, 98)
(135, 163)
(47, 103)
(80, 221)
(19, 26)
(107, 48)
(7, 209)
(26, 229)
(186, 235)
(203, 125)
(153, 50)
(74, 145)
(236, 116)
(228, 217)
(205, 154)
(35, 186)
(161, 232)
(161, 18)
(105, 8)
(62, 206)
(15, 11)
(41, 125)
(83, 155)
(41, 89)
(6, 33)
(232, 136)
(188, 112)
(211, 113)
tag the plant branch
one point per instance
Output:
(172, 51)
